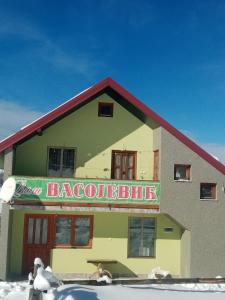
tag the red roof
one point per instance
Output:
(37, 125)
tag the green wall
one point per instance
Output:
(109, 242)
(94, 139)
(1, 161)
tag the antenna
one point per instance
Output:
(8, 189)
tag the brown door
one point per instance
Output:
(37, 240)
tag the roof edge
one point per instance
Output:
(81, 97)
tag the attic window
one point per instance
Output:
(105, 109)
(208, 191)
(182, 172)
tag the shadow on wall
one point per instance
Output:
(121, 270)
(90, 138)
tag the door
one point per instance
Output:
(124, 165)
(37, 240)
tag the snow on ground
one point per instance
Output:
(20, 291)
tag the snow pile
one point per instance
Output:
(38, 261)
(203, 291)
(45, 279)
(104, 279)
(158, 273)
(12, 288)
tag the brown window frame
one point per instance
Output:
(72, 232)
(61, 158)
(156, 166)
(104, 104)
(187, 171)
(213, 191)
(134, 153)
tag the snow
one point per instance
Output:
(20, 291)
(45, 279)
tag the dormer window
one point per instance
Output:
(105, 109)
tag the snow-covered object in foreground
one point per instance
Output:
(40, 282)
(157, 273)
(49, 269)
(30, 278)
(38, 261)
(105, 279)
(45, 280)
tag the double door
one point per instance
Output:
(124, 165)
(37, 240)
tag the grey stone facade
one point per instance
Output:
(203, 240)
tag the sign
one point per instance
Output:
(46, 189)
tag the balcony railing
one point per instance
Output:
(91, 191)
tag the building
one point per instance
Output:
(103, 177)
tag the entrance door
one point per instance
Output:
(37, 240)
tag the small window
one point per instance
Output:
(141, 242)
(208, 191)
(73, 231)
(61, 162)
(105, 109)
(182, 172)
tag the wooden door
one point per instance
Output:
(37, 240)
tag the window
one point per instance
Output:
(182, 172)
(105, 109)
(123, 165)
(73, 231)
(141, 242)
(61, 162)
(208, 191)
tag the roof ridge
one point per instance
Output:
(79, 98)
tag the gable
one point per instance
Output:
(93, 137)
(136, 106)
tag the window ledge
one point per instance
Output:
(182, 180)
(208, 199)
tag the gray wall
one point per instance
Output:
(5, 225)
(204, 220)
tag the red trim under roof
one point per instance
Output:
(75, 101)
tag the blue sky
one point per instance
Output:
(170, 54)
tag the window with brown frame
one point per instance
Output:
(141, 240)
(182, 172)
(156, 165)
(105, 109)
(73, 231)
(123, 165)
(208, 191)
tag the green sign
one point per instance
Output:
(86, 190)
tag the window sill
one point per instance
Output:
(182, 180)
(133, 257)
(209, 199)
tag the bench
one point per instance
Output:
(103, 261)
